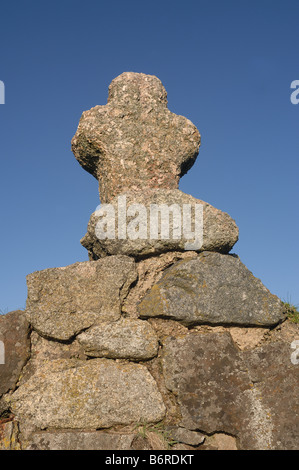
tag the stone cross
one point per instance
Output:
(134, 142)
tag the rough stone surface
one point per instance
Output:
(9, 435)
(3, 406)
(80, 440)
(185, 436)
(207, 372)
(274, 400)
(248, 338)
(99, 393)
(265, 361)
(150, 271)
(286, 332)
(14, 334)
(250, 395)
(135, 141)
(220, 231)
(125, 338)
(217, 365)
(45, 350)
(274, 413)
(64, 301)
(219, 441)
(213, 289)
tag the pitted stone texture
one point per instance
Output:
(274, 412)
(251, 395)
(9, 435)
(219, 441)
(99, 393)
(124, 339)
(64, 301)
(220, 231)
(185, 436)
(264, 362)
(14, 335)
(149, 271)
(134, 142)
(212, 289)
(206, 371)
(80, 440)
(45, 350)
(274, 400)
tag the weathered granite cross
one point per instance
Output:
(134, 142)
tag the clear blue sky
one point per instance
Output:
(227, 66)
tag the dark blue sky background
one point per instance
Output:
(226, 65)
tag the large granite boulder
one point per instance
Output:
(214, 289)
(62, 302)
(94, 394)
(134, 141)
(124, 339)
(157, 221)
(15, 349)
(206, 372)
(250, 395)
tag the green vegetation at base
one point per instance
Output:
(159, 429)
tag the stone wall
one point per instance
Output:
(148, 345)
